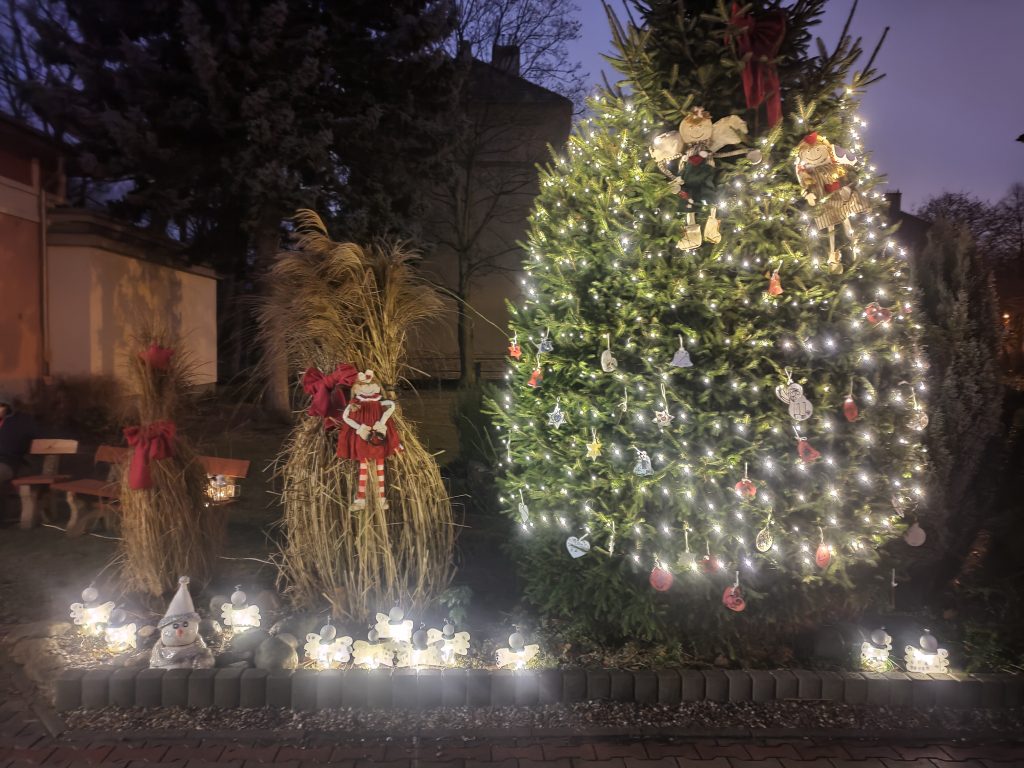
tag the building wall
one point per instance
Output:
(20, 316)
(100, 300)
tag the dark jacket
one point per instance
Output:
(16, 435)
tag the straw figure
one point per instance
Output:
(334, 310)
(167, 527)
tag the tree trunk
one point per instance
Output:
(467, 360)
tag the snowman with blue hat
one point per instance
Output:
(179, 645)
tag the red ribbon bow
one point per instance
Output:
(152, 442)
(157, 357)
(761, 37)
(322, 388)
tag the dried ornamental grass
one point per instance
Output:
(167, 530)
(336, 302)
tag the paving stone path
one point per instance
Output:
(26, 740)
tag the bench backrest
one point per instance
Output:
(48, 447)
(112, 454)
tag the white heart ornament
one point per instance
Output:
(608, 361)
(577, 547)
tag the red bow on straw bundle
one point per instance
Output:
(322, 387)
(152, 442)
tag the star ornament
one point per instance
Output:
(555, 417)
(663, 418)
(594, 448)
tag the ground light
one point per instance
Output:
(928, 658)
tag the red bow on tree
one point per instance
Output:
(157, 357)
(152, 442)
(759, 39)
(322, 387)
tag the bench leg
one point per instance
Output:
(29, 507)
(74, 522)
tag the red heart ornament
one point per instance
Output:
(823, 556)
(850, 410)
(732, 598)
(661, 579)
(746, 488)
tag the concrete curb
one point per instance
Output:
(425, 689)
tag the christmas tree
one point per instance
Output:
(714, 411)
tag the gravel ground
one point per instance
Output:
(596, 714)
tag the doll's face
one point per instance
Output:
(814, 155)
(666, 145)
(366, 388)
(694, 131)
(181, 632)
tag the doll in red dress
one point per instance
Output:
(364, 434)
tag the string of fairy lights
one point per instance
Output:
(658, 476)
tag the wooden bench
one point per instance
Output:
(105, 494)
(32, 487)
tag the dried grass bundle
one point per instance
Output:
(336, 302)
(167, 530)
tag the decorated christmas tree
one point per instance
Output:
(714, 408)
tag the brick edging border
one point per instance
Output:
(310, 690)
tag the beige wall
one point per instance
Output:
(100, 301)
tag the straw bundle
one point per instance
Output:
(328, 303)
(167, 530)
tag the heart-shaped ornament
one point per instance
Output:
(823, 555)
(732, 598)
(577, 547)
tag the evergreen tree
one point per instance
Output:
(658, 450)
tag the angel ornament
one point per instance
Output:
(821, 171)
(365, 435)
(687, 158)
(792, 394)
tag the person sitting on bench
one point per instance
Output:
(17, 430)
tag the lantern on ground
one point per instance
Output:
(874, 652)
(927, 657)
(238, 614)
(518, 653)
(448, 641)
(90, 614)
(221, 488)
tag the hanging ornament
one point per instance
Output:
(661, 578)
(876, 313)
(732, 597)
(594, 446)
(514, 350)
(546, 344)
(918, 420)
(800, 407)
(577, 547)
(681, 359)
(765, 539)
(823, 555)
(808, 453)
(608, 361)
(556, 417)
(643, 464)
(708, 564)
(524, 511)
(536, 375)
(745, 488)
(775, 282)
(663, 418)
(850, 410)
(915, 535)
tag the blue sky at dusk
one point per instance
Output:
(951, 105)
